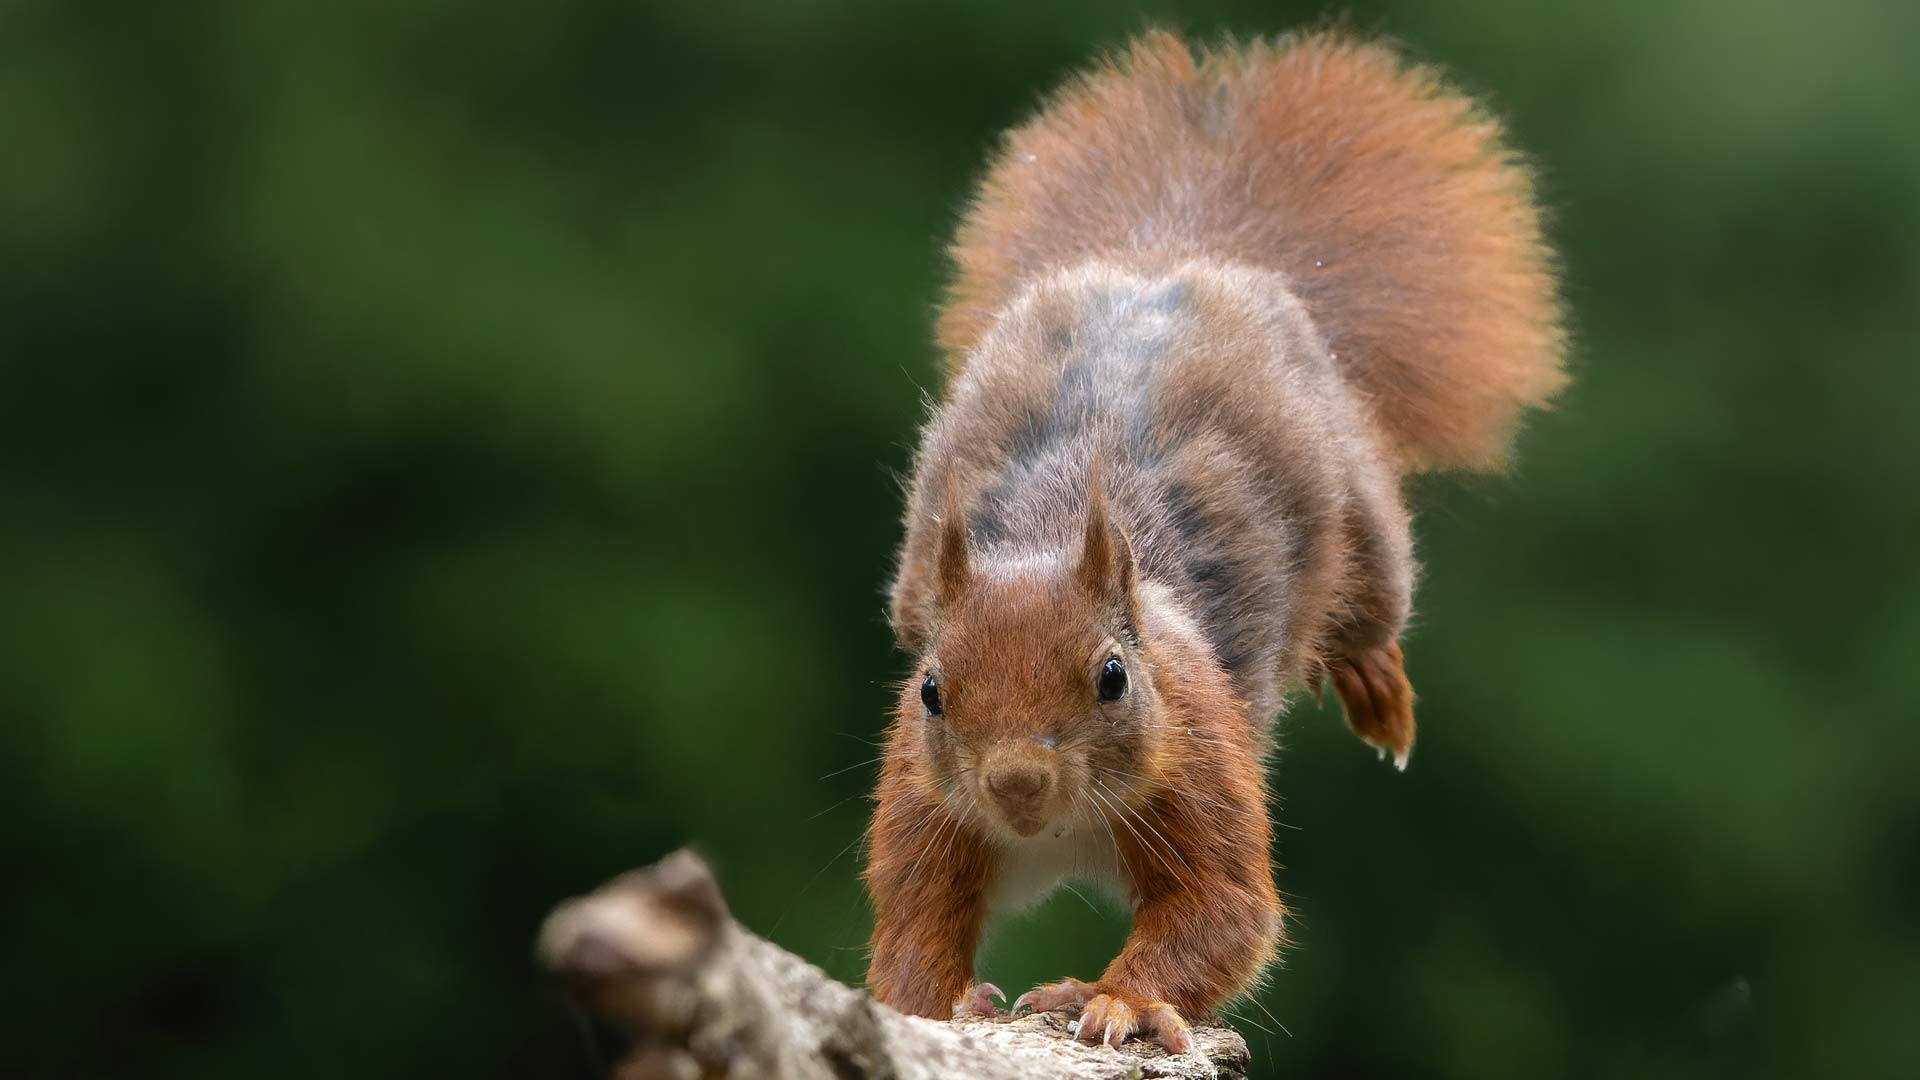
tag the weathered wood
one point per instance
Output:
(656, 952)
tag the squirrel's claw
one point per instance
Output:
(1109, 1020)
(1105, 1021)
(1163, 1024)
(979, 1002)
(1065, 994)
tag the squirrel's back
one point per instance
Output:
(1387, 201)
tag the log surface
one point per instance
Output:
(657, 953)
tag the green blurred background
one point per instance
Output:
(449, 457)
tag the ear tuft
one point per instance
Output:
(954, 571)
(1106, 559)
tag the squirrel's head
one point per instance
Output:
(1035, 693)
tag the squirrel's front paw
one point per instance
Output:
(979, 1002)
(1109, 1018)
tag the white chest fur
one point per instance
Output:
(1074, 850)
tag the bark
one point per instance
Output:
(656, 953)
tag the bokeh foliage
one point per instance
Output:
(448, 456)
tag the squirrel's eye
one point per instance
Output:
(1113, 680)
(930, 695)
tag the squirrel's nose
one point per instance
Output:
(1019, 783)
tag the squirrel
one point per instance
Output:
(1209, 310)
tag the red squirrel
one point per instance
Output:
(1209, 310)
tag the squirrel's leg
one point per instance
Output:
(927, 871)
(1365, 663)
(1373, 687)
(1208, 918)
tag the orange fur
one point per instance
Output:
(1184, 798)
(1207, 315)
(1373, 687)
(1387, 200)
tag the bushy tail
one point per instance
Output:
(1387, 199)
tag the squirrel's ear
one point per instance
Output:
(1106, 562)
(952, 572)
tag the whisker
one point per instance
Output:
(838, 805)
(1246, 1021)
(920, 864)
(791, 904)
(1069, 887)
(1083, 803)
(1118, 851)
(1148, 848)
(952, 835)
(1188, 795)
(1156, 832)
(1276, 1020)
(850, 768)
